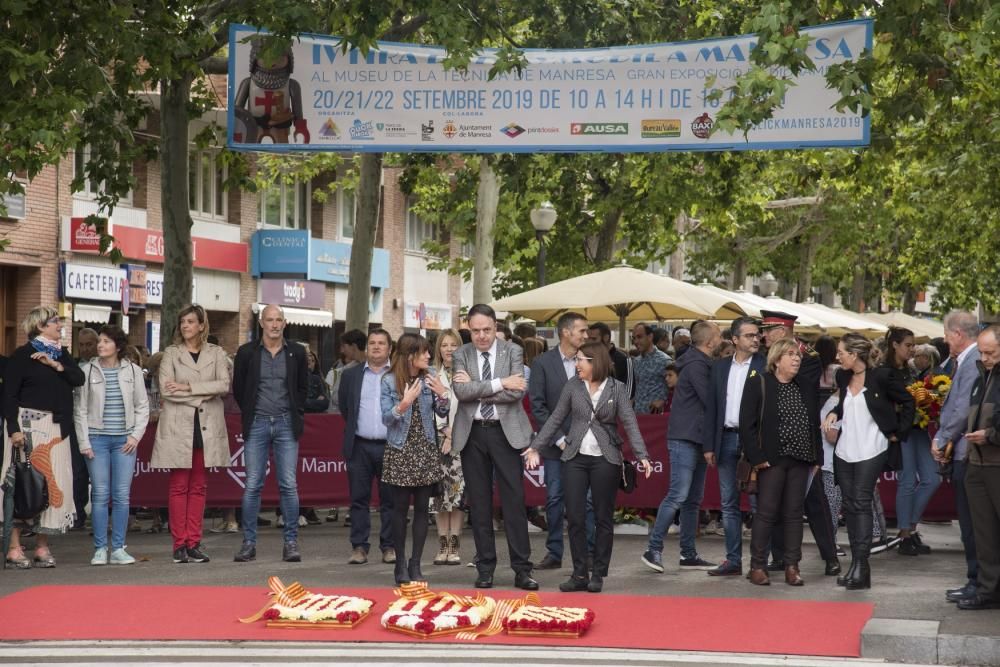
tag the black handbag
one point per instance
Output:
(629, 479)
(31, 491)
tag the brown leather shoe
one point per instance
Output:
(758, 577)
(792, 577)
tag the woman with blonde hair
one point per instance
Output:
(191, 432)
(38, 409)
(448, 505)
(779, 434)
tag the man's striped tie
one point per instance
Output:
(485, 409)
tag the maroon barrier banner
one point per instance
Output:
(322, 473)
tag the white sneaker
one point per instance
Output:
(100, 556)
(674, 529)
(121, 557)
(302, 521)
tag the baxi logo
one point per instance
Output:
(701, 126)
(512, 130)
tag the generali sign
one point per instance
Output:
(84, 237)
(147, 245)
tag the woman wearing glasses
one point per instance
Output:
(38, 410)
(592, 458)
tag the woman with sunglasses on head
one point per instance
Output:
(38, 410)
(191, 433)
(874, 415)
(592, 458)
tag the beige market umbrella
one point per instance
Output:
(924, 329)
(624, 294)
(837, 321)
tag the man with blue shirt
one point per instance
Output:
(359, 397)
(649, 368)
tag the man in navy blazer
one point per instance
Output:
(359, 398)
(961, 331)
(549, 374)
(722, 444)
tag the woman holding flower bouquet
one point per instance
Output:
(918, 479)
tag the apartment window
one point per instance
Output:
(91, 189)
(286, 205)
(347, 210)
(206, 196)
(418, 231)
(14, 205)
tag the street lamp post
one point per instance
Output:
(542, 219)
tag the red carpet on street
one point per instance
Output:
(623, 621)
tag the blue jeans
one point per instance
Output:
(687, 487)
(111, 473)
(267, 433)
(912, 496)
(555, 511)
(729, 490)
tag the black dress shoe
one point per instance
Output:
(832, 568)
(524, 581)
(574, 584)
(775, 566)
(549, 563)
(196, 555)
(908, 547)
(977, 602)
(596, 584)
(963, 593)
(484, 580)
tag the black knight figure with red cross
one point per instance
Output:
(272, 97)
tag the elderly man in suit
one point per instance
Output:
(722, 445)
(359, 398)
(960, 331)
(549, 374)
(490, 430)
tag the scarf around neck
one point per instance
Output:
(52, 350)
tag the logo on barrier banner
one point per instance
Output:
(664, 128)
(449, 130)
(427, 131)
(701, 126)
(362, 130)
(329, 130)
(536, 477)
(237, 469)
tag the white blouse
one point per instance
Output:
(589, 446)
(860, 437)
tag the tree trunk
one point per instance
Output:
(486, 217)
(177, 256)
(807, 256)
(605, 253)
(910, 301)
(739, 275)
(858, 288)
(363, 246)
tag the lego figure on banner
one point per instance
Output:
(272, 98)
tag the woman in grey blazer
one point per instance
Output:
(592, 458)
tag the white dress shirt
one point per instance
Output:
(589, 446)
(497, 385)
(860, 437)
(734, 391)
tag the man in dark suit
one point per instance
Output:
(777, 325)
(722, 446)
(549, 374)
(490, 431)
(270, 382)
(359, 398)
(599, 332)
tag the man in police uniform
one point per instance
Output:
(777, 325)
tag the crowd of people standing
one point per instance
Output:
(438, 424)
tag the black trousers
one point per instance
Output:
(857, 486)
(982, 483)
(781, 492)
(595, 474)
(820, 520)
(486, 455)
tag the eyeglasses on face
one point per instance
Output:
(54, 320)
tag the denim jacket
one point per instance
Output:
(398, 425)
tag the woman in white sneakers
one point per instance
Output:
(110, 412)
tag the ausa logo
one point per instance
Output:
(598, 128)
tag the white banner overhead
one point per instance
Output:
(400, 98)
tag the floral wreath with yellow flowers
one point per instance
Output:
(929, 395)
